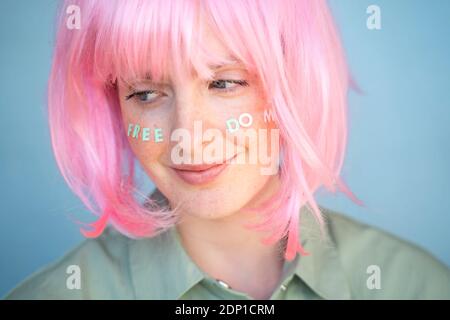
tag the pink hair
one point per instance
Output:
(293, 46)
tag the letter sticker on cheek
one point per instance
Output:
(145, 134)
(229, 125)
(239, 123)
(249, 121)
(158, 135)
(134, 129)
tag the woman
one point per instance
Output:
(237, 112)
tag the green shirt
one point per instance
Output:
(352, 261)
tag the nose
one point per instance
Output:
(191, 117)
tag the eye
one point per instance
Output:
(146, 96)
(227, 85)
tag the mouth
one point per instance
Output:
(202, 173)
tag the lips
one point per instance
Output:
(200, 174)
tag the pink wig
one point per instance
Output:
(292, 45)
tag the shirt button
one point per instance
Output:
(223, 284)
(283, 287)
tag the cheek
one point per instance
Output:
(239, 111)
(147, 134)
(260, 114)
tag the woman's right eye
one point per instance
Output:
(145, 96)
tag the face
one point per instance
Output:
(184, 133)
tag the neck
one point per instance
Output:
(226, 250)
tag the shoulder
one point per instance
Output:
(381, 265)
(95, 269)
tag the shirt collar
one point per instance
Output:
(161, 268)
(321, 270)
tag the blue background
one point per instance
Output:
(398, 153)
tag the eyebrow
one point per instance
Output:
(232, 62)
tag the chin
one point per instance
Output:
(209, 203)
(230, 193)
(218, 203)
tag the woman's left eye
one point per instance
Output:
(146, 96)
(227, 85)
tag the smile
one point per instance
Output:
(200, 174)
